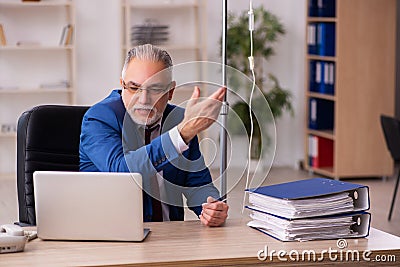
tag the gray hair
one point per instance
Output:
(150, 53)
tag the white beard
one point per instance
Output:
(147, 121)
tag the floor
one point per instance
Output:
(381, 192)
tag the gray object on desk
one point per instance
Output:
(92, 206)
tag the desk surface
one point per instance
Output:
(184, 243)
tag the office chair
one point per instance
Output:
(47, 140)
(391, 130)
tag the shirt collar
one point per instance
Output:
(155, 127)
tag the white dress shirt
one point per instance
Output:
(180, 147)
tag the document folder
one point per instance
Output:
(326, 39)
(322, 8)
(317, 208)
(312, 38)
(310, 198)
(320, 151)
(353, 225)
(321, 114)
(326, 8)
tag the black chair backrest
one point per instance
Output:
(47, 140)
(391, 130)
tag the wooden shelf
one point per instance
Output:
(321, 96)
(323, 58)
(7, 176)
(321, 19)
(162, 6)
(31, 63)
(180, 47)
(10, 3)
(329, 134)
(8, 135)
(35, 47)
(35, 91)
(326, 171)
(193, 19)
(171, 47)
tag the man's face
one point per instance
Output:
(145, 99)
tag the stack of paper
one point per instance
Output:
(302, 208)
(310, 209)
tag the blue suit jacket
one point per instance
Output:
(110, 142)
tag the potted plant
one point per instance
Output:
(267, 29)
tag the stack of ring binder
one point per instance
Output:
(311, 209)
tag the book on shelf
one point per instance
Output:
(321, 114)
(3, 40)
(326, 8)
(322, 77)
(67, 35)
(312, 79)
(317, 208)
(326, 39)
(321, 38)
(312, 38)
(8, 128)
(55, 85)
(28, 43)
(312, 8)
(320, 152)
(322, 8)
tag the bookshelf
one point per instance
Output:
(181, 16)
(363, 80)
(37, 65)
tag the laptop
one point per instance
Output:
(92, 206)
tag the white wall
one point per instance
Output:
(98, 48)
(288, 65)
(99, 58)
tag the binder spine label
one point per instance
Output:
(322, 77)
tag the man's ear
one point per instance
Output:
(171, 91)
(121, 82)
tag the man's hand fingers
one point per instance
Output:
(219, 94)
(215, 205)
(199, 115)
(214, 213)
(223, 92)
(206, 222)
(219, 206)
(210, 221)
(210, 199)
(210, 203)
(195, 96)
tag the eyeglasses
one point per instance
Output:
(153, 89)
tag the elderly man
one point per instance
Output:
(134, 129)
